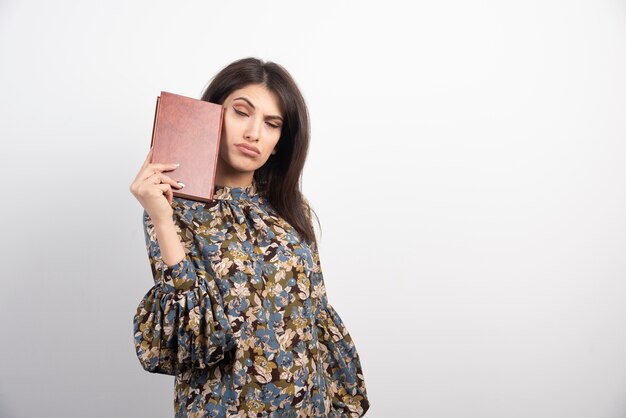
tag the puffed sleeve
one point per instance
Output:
(340, 360)
(180, 322)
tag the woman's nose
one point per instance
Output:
(253, 129)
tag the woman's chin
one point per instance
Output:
(243, 164)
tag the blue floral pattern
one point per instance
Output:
(243, 321)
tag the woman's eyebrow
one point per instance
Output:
(252, 106)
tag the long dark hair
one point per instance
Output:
(279, 179)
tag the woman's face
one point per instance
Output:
(252, 117)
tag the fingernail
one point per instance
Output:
(181, 183)
(176, 164)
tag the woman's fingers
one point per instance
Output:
(167, 191)
(150, 175)
(160, 178)
(153, 168)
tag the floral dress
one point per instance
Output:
(243, 321)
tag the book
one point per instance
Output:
(188, 131)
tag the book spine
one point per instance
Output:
(217, 150)
(154, 124)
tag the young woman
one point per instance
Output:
(239, 312)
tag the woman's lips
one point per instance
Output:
(247, 151)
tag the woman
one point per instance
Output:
(239, 312)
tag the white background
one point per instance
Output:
(467, 163)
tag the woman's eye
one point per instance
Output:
(245, 114)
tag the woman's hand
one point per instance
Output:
(153, 189)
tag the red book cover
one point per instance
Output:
(187, 131)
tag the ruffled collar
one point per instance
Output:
(248, 192)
